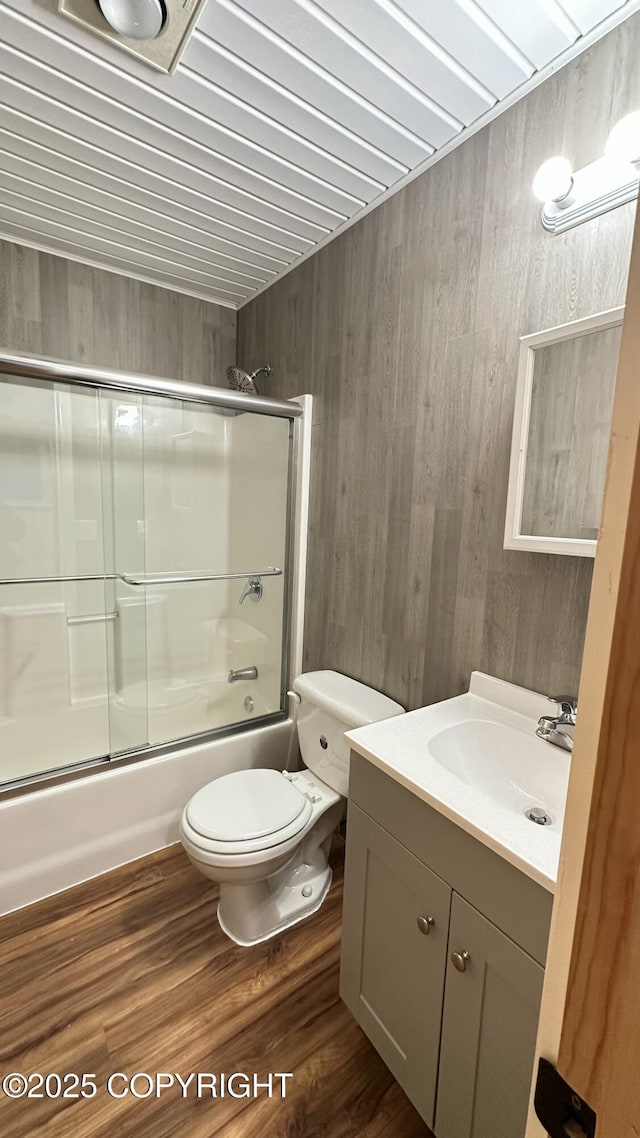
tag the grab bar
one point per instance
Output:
(151, 579)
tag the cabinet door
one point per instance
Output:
(488, 1032)
(396, 918)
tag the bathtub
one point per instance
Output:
(59, 836)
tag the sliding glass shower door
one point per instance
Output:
(53, 620)
(143, 549)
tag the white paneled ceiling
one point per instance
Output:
(283, 122)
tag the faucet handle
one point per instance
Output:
(253, 590)
(568, 703)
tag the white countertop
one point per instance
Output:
(484, 773)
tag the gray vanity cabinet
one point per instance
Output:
(442, 961)
(489, 1029)
(396, 940)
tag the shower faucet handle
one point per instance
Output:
(253, 590)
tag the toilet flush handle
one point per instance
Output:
(294, 696)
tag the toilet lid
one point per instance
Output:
(246, 806)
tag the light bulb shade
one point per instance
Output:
(623, 144)
(135, 19)
(554, 180)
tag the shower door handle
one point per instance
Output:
(186, 578)
(143, 579)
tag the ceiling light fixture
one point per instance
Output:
(570, 197)
(135, 19)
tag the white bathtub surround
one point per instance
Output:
(477, 760)
(54, 838)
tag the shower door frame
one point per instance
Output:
(16, 366)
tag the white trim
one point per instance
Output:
(301, 524)
(513, 537)
(582, 44)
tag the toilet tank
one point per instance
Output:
(331, 704)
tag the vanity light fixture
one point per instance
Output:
(623, 143)
(554, 181)
(570, 197)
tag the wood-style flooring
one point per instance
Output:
(131, 973)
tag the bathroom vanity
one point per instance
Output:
(447, 903)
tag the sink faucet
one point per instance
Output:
(558, 729)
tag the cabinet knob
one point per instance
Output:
(460, 960)
(425, 924)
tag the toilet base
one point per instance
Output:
(253, 912)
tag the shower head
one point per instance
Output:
(246, 381)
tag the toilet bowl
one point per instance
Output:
(265, 835)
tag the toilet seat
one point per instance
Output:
(246, 812)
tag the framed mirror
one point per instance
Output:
(560, 442)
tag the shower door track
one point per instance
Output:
(29, 367)
(85, 768)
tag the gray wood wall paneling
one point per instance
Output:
(406, 330)
(61, 309)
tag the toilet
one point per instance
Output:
(265, 835)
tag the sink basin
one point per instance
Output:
(504, 763)
(476, 759)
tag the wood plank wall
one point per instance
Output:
(406, 330)
(53, 307)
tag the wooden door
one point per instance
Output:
(393, 963)
(489, 1026)
(590, 1022)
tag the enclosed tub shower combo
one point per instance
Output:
(143, 567)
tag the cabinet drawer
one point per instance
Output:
(510, 899)
(394, 947)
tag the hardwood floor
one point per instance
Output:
(131, 973)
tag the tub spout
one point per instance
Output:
(242, 674)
